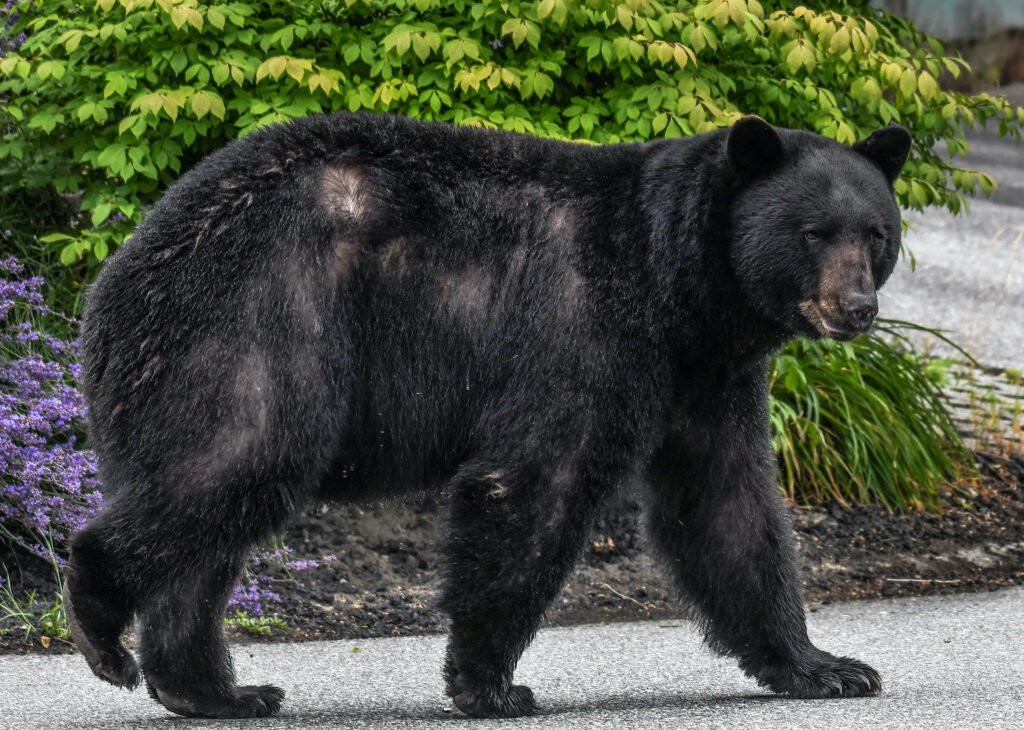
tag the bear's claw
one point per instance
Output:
(822, 676)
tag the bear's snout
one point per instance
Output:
(859, 310)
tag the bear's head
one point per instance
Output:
(815, 226)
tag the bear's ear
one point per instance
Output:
(888, 148)
(753, 146)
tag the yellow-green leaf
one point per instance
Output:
(519, 34)
(216, 18)
(420, 47)
(872, 91)
(297, 67)
(908, 82)
(625, 16)
(272, 67)
(840, 42)
(181, 14)
(178, 16)
(927, 85)
(200, 104)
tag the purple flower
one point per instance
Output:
(252, 594)
(302, 564)
(48, 487)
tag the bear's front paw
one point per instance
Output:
(821, 675)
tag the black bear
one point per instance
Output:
(349, 307)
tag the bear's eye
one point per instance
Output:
(811, 236)
(877, 239)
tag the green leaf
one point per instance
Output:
(68, 254)
(113, 156)
(178, 61)
(85, 111)
(55, 237)
(100, 213)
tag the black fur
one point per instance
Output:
(350, 306)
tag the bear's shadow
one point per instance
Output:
(430, 712)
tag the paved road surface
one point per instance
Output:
(951, 662)
(970, 268)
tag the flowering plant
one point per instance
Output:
(48, 486)
(9, 16)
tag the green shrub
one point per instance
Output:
(108, 101)
(864, 421)
(111, 100)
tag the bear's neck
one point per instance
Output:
(700, 305)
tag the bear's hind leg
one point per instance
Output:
(98, 602)
(513, 539)
(184, 655)
(200, 550)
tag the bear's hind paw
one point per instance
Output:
(516, 702)
(108, 660)
(241, 702)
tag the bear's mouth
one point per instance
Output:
(812, 312)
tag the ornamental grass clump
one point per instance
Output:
(48, 486)
(865, 422)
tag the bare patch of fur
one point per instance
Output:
(151, 367)
(345, 191)
(242, 428)
(467, 292)
(251, 394)
(573, 289)
(562, 224)
(343, 260)
(393, 258)
(302, 293)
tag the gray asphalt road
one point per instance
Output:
(969, 278)
(950, 662)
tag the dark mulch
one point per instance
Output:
(382, 582)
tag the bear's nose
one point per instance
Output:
(860, 309)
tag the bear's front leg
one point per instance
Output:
(514, 535)
(717, 517)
